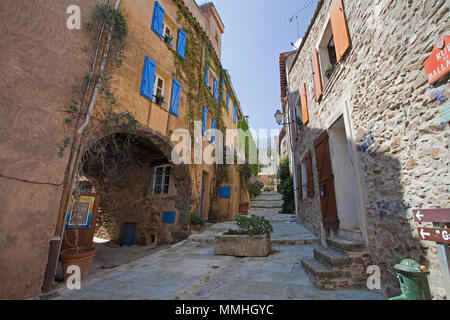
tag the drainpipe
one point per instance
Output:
(56, 242)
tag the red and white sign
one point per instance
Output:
(438, 64)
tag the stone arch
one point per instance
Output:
(180, 173)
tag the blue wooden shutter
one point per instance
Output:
(148, 78)
(158, 18)
(213, 138)
(168, 217)
(234, 114)
(225, 192)
(216, 87)
(207, 76)
(228, 101)
(181, 48)
(175, 103)
(205, 118)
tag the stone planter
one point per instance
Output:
(242, 246)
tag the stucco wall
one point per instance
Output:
(382, 86)
(39, 61)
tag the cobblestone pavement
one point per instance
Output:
(190, 270)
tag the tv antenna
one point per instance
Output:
(306, 7)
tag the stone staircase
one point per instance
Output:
(342, 265)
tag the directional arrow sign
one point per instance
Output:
(434, 234)
(431, 215)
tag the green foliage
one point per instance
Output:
(254, 188)
(269, 188)
(252, 226)
(64, 144)
(286, 187)
(197, 220)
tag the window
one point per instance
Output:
(167, 31)
(217, 38)
(158, 89)
(304, 181)
(327, 54)
(162, 180)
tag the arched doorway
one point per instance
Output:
(141, 197)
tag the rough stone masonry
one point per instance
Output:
(395, 112)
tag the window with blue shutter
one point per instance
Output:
(234, 114)
(181, 48)
(228, 101)
(175, 102)
(216, 88)
(158, 18)
(213, 137)
(225, 192)
(207, 76)
(205, 118)
(148, 78)
(168, 217)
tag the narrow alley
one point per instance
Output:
(189, 270)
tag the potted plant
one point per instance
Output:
(329, 70)
(243, 208)
(197, 223)
(251, 240)
(159, 99)
(75, 255)
(168, 39)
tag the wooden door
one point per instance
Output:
(326, 183)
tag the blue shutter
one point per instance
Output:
(225, 192)
(158, 18)
(181, 48)
(207, 76)
(175, 102)
(168, 217)
(234, 114)
(216, 87)
(228, 101)
(148, 78)
(213, 138)
(205, 118)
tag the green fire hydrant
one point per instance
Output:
(413, 278)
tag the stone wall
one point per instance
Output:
(382, 86)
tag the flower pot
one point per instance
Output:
(243, 209)
(159, 101)
(82, 259)
(242, 245)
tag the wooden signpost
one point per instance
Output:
(439, 234)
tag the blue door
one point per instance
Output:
(203, 192)
(128, 236)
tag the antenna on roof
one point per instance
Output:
(310, 3)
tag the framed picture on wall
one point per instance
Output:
(80, 213)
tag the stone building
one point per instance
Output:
(368, 143)
(88, 121)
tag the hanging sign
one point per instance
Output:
(438, 64)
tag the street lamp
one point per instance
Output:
(279, 118)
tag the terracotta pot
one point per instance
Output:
(83, 260)
(243, 209)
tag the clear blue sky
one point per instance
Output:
(256, 32)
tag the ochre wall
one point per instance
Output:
(39, 61)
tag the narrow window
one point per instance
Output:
(159, 86)
(162, 180)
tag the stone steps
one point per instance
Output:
(340, 266)
(331, 258)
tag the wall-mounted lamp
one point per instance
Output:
(279, 118)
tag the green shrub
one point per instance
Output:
(286, 187)
(252, 226)
(254, 188)
(269, 188)
(197, 220)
